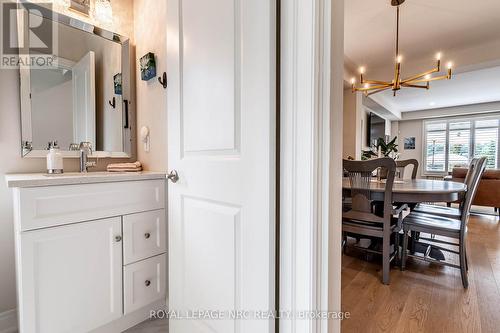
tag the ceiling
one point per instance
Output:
(466, 32)
(473, 87)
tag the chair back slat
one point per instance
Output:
(468, 179)
(360, 178)
(478, 167)
(401, 165)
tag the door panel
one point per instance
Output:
(210, 76)
(71, 277)
(221, 140)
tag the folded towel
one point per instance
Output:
(125, 167)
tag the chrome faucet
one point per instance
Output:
(85, 151)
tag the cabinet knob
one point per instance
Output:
(118, 238)
(147, 283)
(147, 235)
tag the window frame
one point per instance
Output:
(472, 147)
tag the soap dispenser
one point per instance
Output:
(54, 159)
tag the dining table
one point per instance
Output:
(413, 190)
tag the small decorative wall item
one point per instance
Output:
(163, 80)
(148, 66)
(117, 82)
(409, 143)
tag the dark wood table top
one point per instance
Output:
(416, 190)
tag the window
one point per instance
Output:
(453, 142)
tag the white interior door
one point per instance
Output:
(221, 141)
(84, 100)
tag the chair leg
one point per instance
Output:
(386, 255)
(344, 243)
(413, 241)
(466, 258)
(448, 204)
(403, 251)
(396, 248)
(463, 264)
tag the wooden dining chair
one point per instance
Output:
(455, 228)
(401, 166)
(450, 211)
(363, 219)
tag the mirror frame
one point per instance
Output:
(128, 91)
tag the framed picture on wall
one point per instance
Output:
(409, 143)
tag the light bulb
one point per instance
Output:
(450, 65)
(427, 77)
(353, 81)
(367, 85)
(438, 56)
(362, 70)
(399, 58)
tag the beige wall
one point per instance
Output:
(350, 146)
(355, 124)
(11, 162)
(150, 36)
(411, 128)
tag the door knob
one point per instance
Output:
(173, 176)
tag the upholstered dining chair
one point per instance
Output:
(401, 166)
(455, 228)
(363, 219)
(450, 211)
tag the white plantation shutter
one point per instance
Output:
(486, 141)
(453, 142)
(459, 144)
(436, 147)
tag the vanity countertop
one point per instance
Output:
(71, 178)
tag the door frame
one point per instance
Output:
(311, 108)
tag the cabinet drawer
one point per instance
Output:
(144, 282)
(144, 235)
(41, 207)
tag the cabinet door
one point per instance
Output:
(71, 277)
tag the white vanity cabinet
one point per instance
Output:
(90, 252)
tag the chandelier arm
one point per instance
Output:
(373, 87)
(377, 91)
(437, 78)
(421, 75)
(409, 85)
(377, 82)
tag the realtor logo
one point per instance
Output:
(29, 34)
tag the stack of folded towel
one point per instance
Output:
(125, 167)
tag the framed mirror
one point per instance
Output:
(84, 95)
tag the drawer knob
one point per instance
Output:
(147, 283)
(118, 238)
(147, 235)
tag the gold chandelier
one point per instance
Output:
(370, 87)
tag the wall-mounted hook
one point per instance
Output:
(163, 80)
(113, 104)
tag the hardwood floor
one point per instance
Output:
(427, 297)
(150, 326)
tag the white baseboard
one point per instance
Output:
(8, 321)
